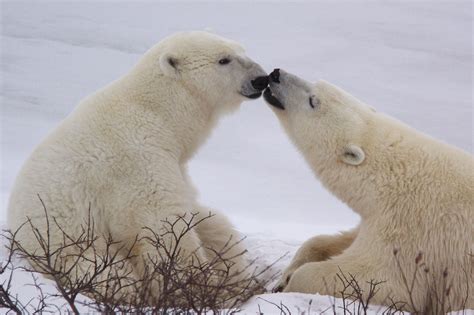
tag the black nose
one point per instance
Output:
(260, 83)
(275, 75)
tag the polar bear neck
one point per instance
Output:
(404, 169)
(166, 115)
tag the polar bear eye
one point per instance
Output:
(224, 61)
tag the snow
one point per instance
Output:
(299, 303)
(412, 60)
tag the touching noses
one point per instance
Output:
(275, 76)
(260, 83)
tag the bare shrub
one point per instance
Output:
(8, 300)
(186, 284)
(353, 292)
(356, 301)
(439, 293)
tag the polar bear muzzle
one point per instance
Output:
(268, 95)
(272, 100)
(255, 88)
(286, 89)
(260, 83)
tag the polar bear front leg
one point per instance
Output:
(160, 236)
(318, 248)
(226, 253)
(218, 236)
(170, 233)
(343, 275)
(166, 251)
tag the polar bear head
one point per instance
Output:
(210, 68)
(321, 119)
(334, 131)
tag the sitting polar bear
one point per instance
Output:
(414, 194)
(122, 152)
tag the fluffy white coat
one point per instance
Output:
(122, 152)
(414, 195)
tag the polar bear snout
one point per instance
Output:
(272, 99)
(260, 83)
(271, 94)
(287, 91)
(275, 76)
(255, 83)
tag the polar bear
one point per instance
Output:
(414, 194)
(122, 153)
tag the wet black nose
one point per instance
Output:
(260, 83)
(275, 75)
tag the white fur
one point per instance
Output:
(413, 193)
(123, 150)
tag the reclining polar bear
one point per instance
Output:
(414, 194)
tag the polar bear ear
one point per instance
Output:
(169, 65)
(353, 155)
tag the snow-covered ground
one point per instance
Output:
(410, 59)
